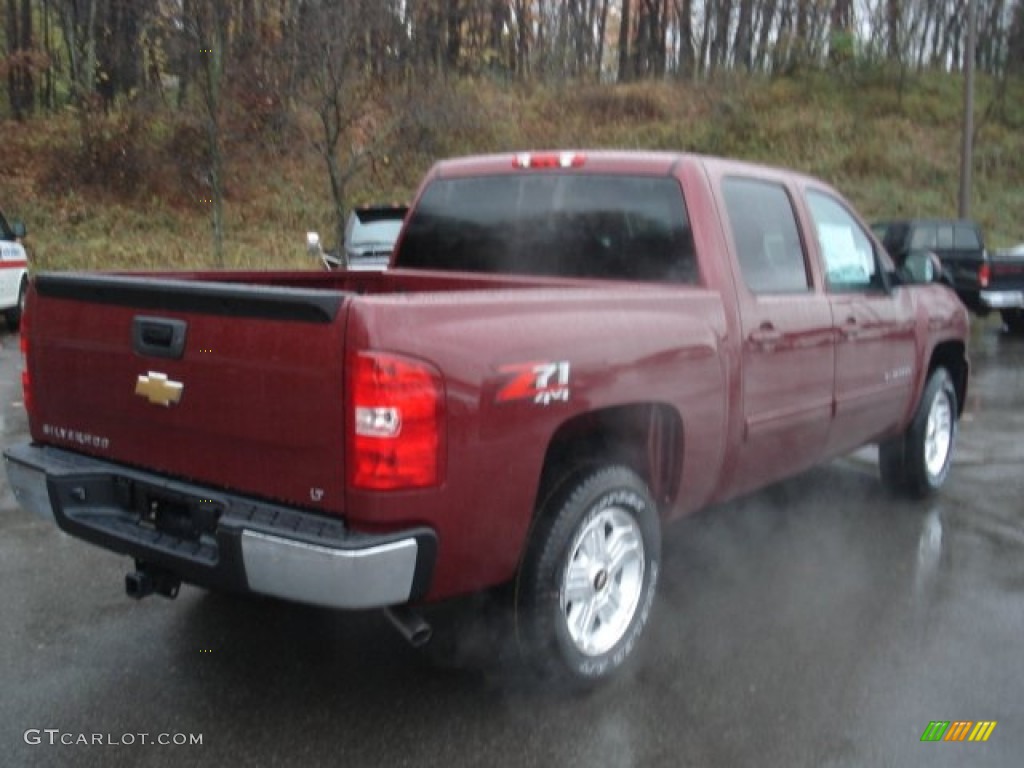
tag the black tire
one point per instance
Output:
(13, 315)
(602, 527)
(890, 465)
(916, 463)
(1014, 319)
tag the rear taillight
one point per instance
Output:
(984, 274)
(26, 379)
(396, 439)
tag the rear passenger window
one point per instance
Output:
(765, 233)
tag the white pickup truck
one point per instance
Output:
(13, 271)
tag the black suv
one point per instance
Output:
(957, 242)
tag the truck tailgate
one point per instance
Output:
(236, 386)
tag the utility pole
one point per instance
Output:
(967, 147)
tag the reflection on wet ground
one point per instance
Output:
(818, 623)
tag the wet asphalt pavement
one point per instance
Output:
(817, 623)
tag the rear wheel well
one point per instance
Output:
(952, 356)
(646, 437)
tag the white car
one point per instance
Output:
(13, 271)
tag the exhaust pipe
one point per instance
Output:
(144, 581)
(410, 625)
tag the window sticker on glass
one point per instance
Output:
(846, 262)
(846, 250)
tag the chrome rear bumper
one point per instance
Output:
(209, 537)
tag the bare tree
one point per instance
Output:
(78, 22)
(893, 27)
(840, 31)
(744, 42)
(766, 24)
(207, 25)
(625, 69)
(340, 92)
(119, 56)
(20, 92)
(48, 94)
(1015, 42)
(453, 17)
(720, 47)
(523, 13)
(602, 25)
(109, 47)
(992, 35)
(649, 42)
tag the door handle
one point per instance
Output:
(158, 336)
(850, 329)
(766, 335)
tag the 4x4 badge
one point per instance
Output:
(158, 389)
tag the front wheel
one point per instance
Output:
(916, 463)
(14, 314)
(587, 581)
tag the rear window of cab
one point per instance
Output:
(617, 227)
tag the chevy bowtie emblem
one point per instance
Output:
(158, 390)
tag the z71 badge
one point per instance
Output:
(543, 383)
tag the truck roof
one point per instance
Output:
(584, 160)
(604, 161)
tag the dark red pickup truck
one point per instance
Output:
(569, 351)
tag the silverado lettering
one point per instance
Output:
(567, 351)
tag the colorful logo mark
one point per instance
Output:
(958, 730)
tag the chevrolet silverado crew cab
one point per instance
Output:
(568, 351)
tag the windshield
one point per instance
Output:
(618, 227)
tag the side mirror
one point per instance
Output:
(316, 249)
(922, 267)
(18, 228)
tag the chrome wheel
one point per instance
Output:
(916, 463)
(602, 580)
(938, 436)
(586, 585)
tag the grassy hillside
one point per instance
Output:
(130, 191)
